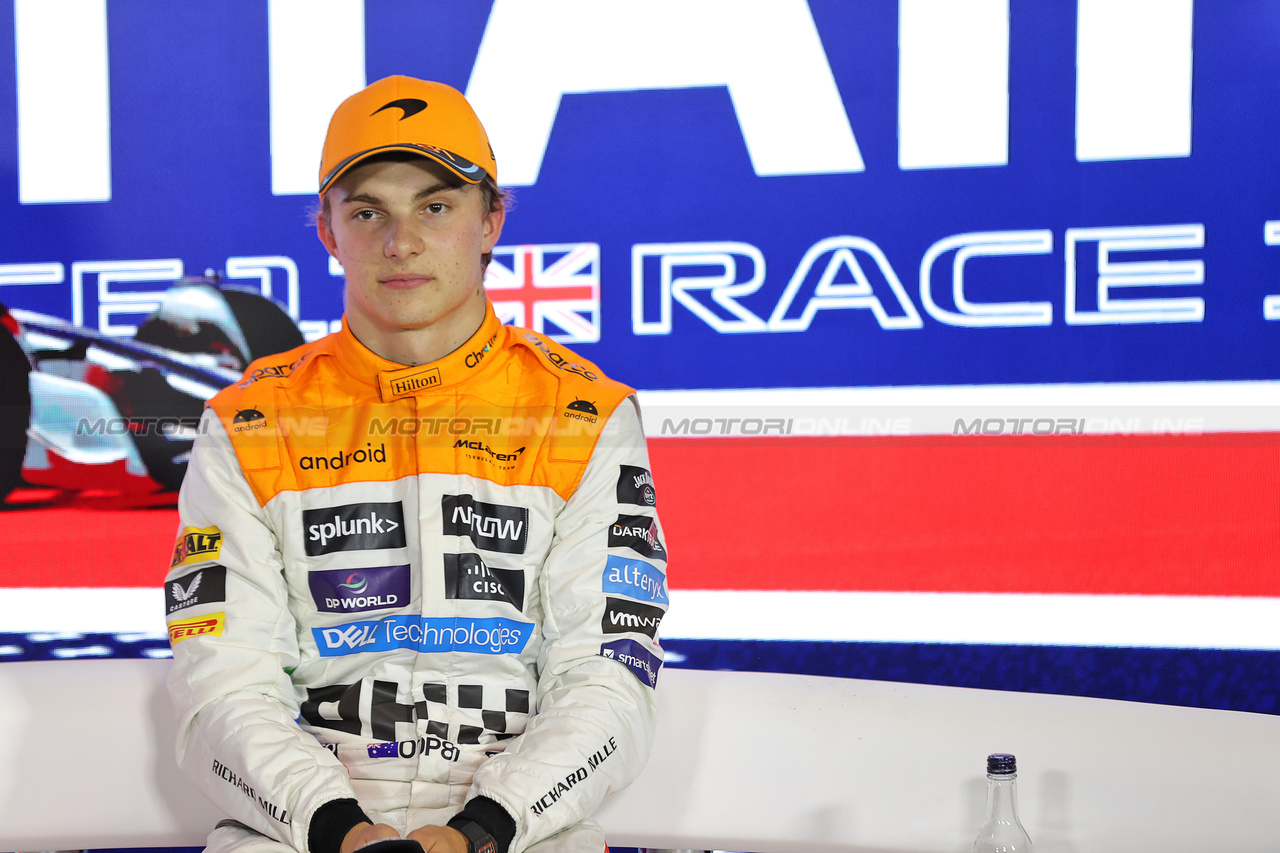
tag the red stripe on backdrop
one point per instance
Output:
(1194, 515)
(82, 546)
(1174, 515)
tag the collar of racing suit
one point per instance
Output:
(395, 380)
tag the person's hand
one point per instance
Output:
(367, 833)
(439, 839)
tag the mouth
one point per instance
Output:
(405, 281)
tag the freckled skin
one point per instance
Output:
(411, 247)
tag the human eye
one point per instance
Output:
(364, 214)
(437, 207)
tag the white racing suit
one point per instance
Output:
(400, 591)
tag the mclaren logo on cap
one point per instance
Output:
(409, 106)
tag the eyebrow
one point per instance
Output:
(366, 198)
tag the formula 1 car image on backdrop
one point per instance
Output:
(82, 411)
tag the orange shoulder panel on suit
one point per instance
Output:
(509, 405)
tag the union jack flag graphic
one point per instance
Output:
(552, 288)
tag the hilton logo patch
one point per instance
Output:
(400, 383)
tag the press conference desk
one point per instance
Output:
(743, 761)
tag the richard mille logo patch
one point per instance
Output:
(409, 106)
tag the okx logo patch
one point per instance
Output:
(353, 527)
(358, 590)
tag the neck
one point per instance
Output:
(414, 346)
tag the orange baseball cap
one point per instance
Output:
(406, 114)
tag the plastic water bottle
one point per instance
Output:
(1002, 832)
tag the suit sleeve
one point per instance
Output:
(234, 643)
(604, 584)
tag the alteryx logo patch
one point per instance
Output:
(634, 657)
(353, 527)
(424, 634)
(635, 486)
(493, 527)
(468, 576)
(622, 615)
(635, 579)
(358, 590)
(639, 533)
(204, 586)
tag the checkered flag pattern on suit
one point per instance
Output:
(500, 713)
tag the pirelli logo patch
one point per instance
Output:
(197, 626)
(196, 545)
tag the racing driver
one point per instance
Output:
(419, 575)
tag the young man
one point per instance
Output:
(418, 582)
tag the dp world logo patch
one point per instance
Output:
(358, 590)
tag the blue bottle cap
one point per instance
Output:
(1001, 764)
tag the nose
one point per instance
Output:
(403, 240)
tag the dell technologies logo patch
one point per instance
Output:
(353, 527)
(358, 590)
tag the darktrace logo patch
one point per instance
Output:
(353, 527)
(203, 586)
(358, 590)
(635, 486)
(493, 527)
(639, 533)
(622, 616)
(467, 576)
